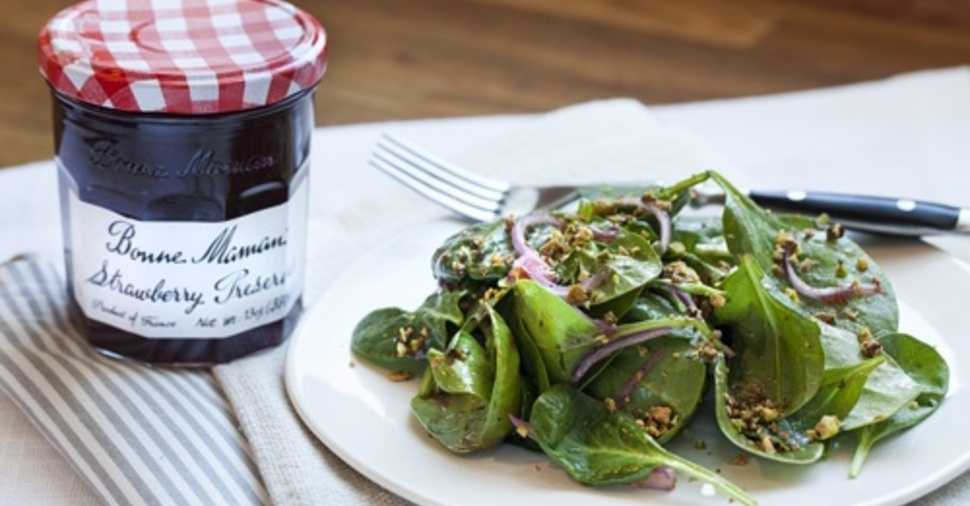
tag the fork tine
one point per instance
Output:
(418, 170)
(469, 181)
(434, 193)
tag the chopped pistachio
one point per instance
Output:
(827, 427)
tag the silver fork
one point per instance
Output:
(485, 199)
(469, 194)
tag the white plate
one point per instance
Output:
(364, 418)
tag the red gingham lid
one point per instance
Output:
(182, 56)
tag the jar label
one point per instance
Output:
(183, 280)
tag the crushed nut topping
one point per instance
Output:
(834, 232)
(409, 343)
(756, 418)
(658, 421)
(680, 273)
(717, 300)
(398, 376)
(827, 427)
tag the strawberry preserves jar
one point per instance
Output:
(182, 134)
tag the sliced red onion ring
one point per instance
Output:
(593, 281)
(607, 328)
(606, 235)
(528, 259)
(683, 297)
(529, 262)
(601, 352)
(624, 392)
(523, 224)
(834, 294)
(660, 478)
(536, 269)
(662, 216)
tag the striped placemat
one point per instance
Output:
(139, 435)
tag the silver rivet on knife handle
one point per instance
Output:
(963, 222)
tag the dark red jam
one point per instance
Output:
(162, 167)
(182, 137)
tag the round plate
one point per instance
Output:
(364, 417)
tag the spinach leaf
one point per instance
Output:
(659, 383)
(481, 253)
(398, 340)
(779, 352)
(598, 447)
(823, 261)
(887, 390)
(838, 394)
(559, 334)
(651, 305)
(703, 239)
(628, 259)
(748, 229)
(827, 262)
(929, 370)
(760, 431)
(474, 390)
(711, 261)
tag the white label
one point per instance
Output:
(188, 279)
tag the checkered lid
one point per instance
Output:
(182, 56)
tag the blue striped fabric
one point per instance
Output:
(138, 435)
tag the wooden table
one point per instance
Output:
(401, 59)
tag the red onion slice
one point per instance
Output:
(834, 294)
(606, 235)
(536, 269)
(683, 297)
(523, 224)
(597, 354)
(660, 478)
(528, 260)
(624, 392)
(662, 216)
(532, 265)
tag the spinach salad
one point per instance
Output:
(592, 336)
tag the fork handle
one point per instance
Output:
(871, 214)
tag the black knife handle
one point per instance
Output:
(871, 214)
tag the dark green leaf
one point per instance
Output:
(378, 337)
(838, 394)
(474, 391)
(674, 380)
(629, 259)
(887, 390)
(755, 441)
(479, 253)
(559, 333)
(929, 370)
(597, 447)
(778, 348)
(876, 312)
(752, 230)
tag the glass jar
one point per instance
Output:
(182, 139)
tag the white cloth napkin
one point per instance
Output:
(137, 435)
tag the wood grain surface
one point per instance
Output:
(403, 59)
